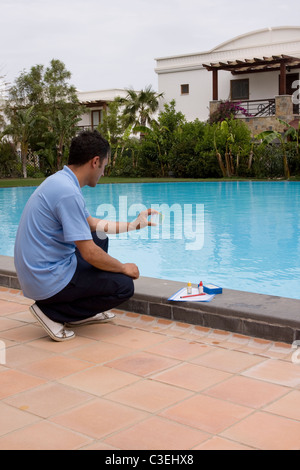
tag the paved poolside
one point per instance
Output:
(262, 316)
(143, 382)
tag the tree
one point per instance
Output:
(113, 128)
(164, 132)
(3, 93)
(61, 128)
(268, 137)
(63, 109)
(293, 133)
(231, 137)
(155, 135)
(55, 104)
(9, 161)
(27, 90)
(139, 107)
(2, 122)
(20, 130)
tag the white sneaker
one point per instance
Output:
(55, 330)
(102, 317)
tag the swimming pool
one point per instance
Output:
(246, 234)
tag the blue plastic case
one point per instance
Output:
(212, 289)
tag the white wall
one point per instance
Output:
(188, 69)
(97, 95)
(103, 95)
(195, 104)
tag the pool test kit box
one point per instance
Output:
(212, 289)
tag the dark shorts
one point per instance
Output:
(89, 292)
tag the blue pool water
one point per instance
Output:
(239, 235)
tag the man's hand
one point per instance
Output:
(97, 257)
(131, 270)
(142, 220)
(107, 226)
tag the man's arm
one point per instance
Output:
(107, 226)
(97, 257)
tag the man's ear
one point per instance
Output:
(95, 162)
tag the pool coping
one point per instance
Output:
(257, 315)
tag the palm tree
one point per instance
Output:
(139, 107)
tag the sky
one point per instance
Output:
(114, 43)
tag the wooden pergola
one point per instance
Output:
(95, 104)
(280, 63)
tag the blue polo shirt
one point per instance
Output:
(54, 217)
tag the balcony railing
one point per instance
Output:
(86, 128)
(256, 108)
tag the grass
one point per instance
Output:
(20, 182)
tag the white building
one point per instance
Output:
(253, 68)
(96, 103)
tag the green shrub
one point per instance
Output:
(268, 161)
(10, 165)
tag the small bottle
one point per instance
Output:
(200, 287)
(189, 288)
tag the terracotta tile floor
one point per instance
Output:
(143, 383)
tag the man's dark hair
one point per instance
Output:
(87, 145)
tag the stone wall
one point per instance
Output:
(283, 111)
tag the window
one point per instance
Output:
(96, 118)
(185, 89)
(240, 89)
